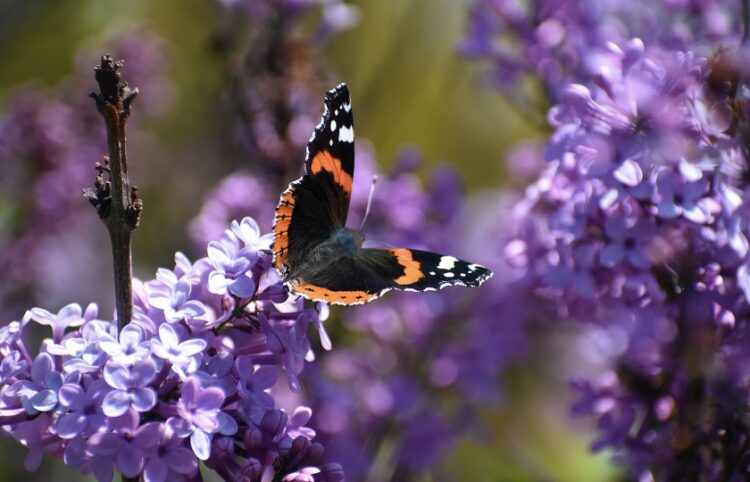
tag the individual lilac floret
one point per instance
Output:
(628, 239)
(130, 387)
(176, 304)
(682, 197)
(89, 360)
(230, 267)
(170, 459)
(248, 232)
(69, 316)
(169, 347)
(130, 348)
(254, 383)
(296, 426)
(83, 409)
(40, 394)
(200, 407)
(126, 448)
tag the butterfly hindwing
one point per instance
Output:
(301, 223)
(425, 271)
(369, 273)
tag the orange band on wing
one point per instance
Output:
(318, 293)
(324, 161)
(281, 222)
(412, 268)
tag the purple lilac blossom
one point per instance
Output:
(558, 42)
(638, 225)
(169, 391)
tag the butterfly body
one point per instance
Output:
(323, 260)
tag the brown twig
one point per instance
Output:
(116, 203)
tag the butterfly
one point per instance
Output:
(323, 260)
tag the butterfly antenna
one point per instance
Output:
(369, 201)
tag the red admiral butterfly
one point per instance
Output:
(319, 257)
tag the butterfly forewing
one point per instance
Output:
(315, 205)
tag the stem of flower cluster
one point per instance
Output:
(117, 204)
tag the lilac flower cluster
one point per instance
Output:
(49, 141)
(187, 381)
(557, 42)
(639, 225)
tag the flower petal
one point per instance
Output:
(218, 255)
(142, 372)
(182, 461)
(44, 400)
(71, 395)
(191, 347)
(217, 283)
(160, 300)
(70, 425)
(156, 470)
(200, 442)
(210, 399)
(242, 287)
(116, 403)
(130, 460)
(168, 336)
(117, 375)
(143, 399)
(43, 317)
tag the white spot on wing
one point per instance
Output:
(346, 134)
(448, 274)
(447, 262)
(348, 106)
(333, 125)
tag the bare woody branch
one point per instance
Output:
(116, 202)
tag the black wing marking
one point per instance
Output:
(330, 152)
